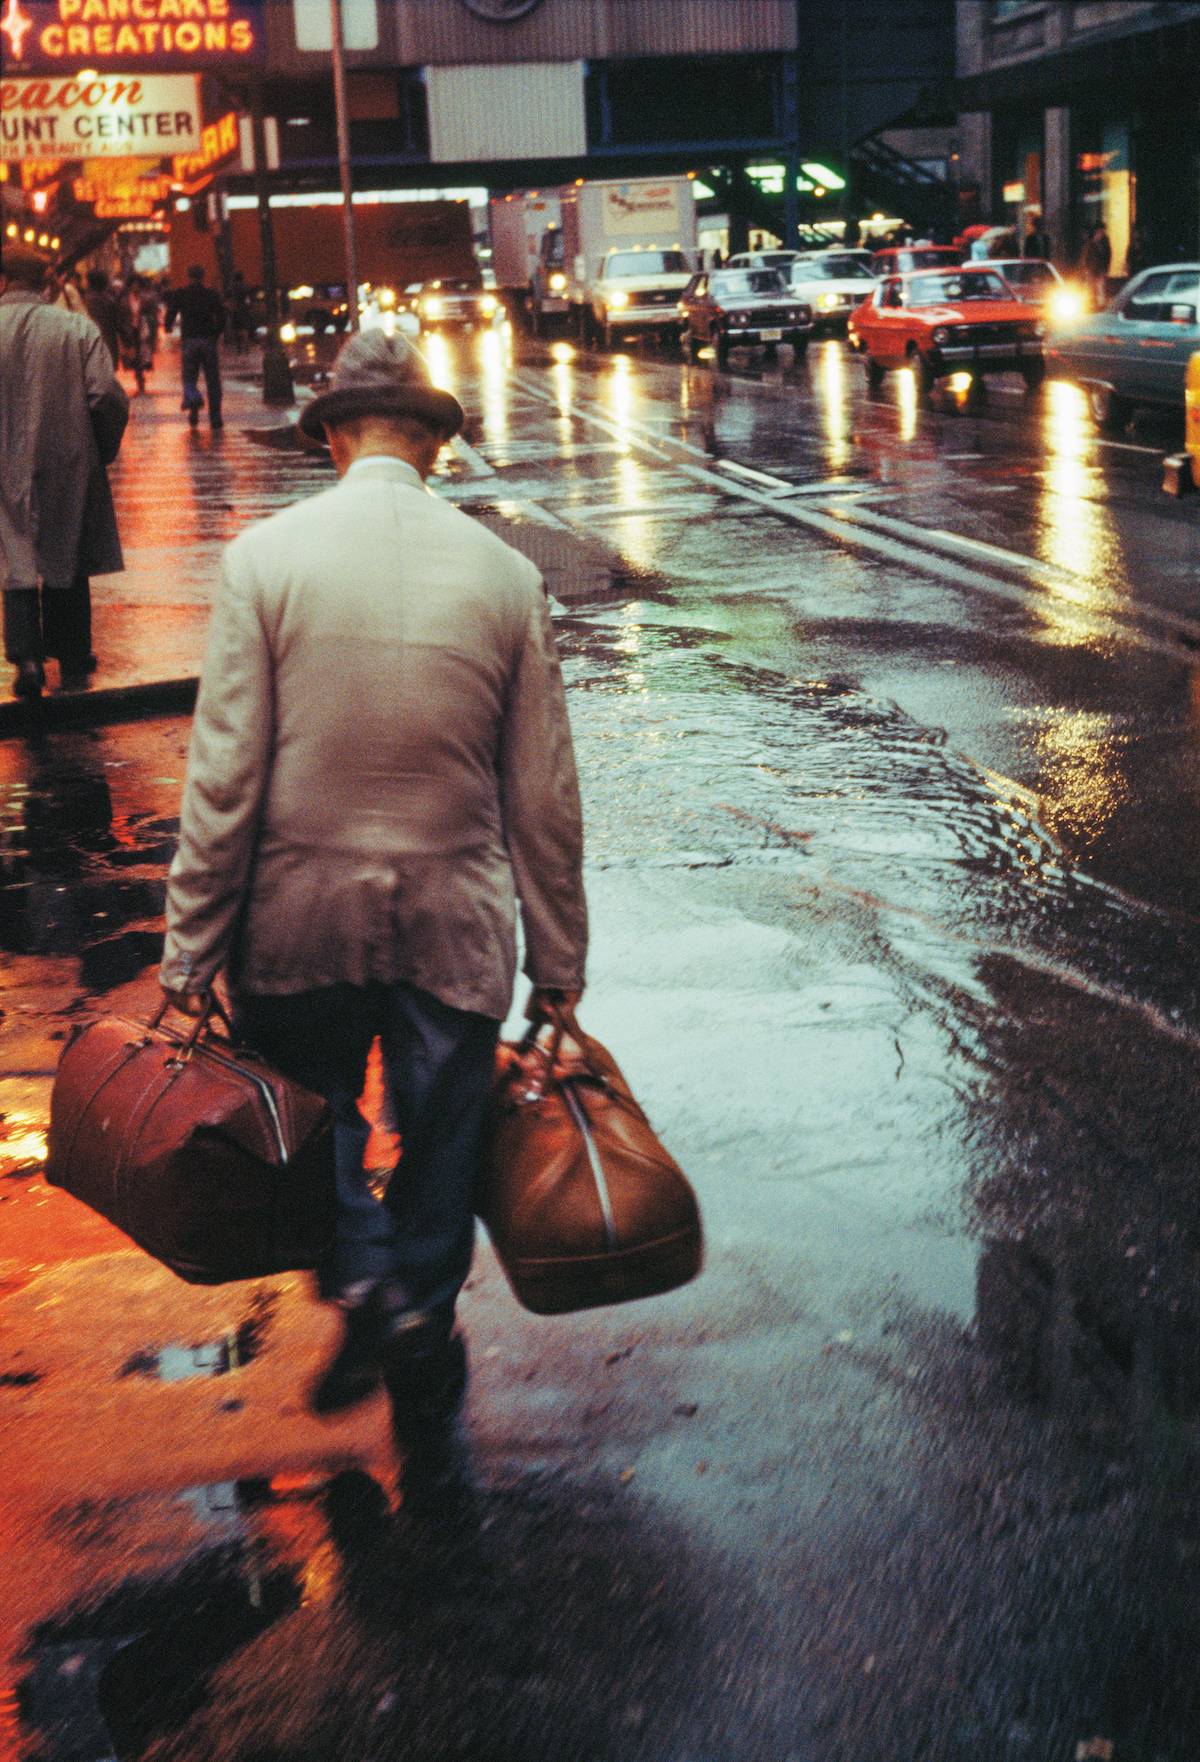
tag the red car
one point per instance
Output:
(947, 321)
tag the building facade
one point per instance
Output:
(1082, 112)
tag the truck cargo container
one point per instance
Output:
(628, 250)
(532, 285)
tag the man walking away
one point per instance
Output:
(201, 314)
(1097, 258)
(62, 415)
(380, 761)
(104, 310)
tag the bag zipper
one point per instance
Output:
(578, 1113)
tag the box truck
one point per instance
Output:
(531, 280)
(628, 249)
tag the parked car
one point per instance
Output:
(833, 284)
(1041, 285)
(901, 259)
(947, 321)
(737, 308)
(780, 260)
(1137, 350)
(455, 305)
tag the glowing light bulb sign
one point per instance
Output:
(129, 36)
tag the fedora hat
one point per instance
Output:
(380, 375)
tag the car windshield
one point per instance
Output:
(831, 269)
(623, 263)
(940, 290)
(453, 287)
(1028, 275)
(746, 281)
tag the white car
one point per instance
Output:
(833, 283)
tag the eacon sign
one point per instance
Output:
(155, 36)
(96, 118)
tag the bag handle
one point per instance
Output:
(212, 1007)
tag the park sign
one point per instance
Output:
(129, 36)
(97, 117)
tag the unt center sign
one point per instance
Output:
(100, 117)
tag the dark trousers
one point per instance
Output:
(438, 1064)
(49, 621)
(201, 355)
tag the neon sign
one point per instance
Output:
(130, 35)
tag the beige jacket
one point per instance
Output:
(380, 760)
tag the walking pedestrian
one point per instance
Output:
(61, 290)
(137, 350)
(1037, 240)
(1097, 258)
(241, 314)
(201, 314)
(104, 310)
(380, 760)
(62, 415)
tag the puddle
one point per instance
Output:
(22, 1146)
(229, 1352)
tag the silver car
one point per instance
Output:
(1137, 350)
(833, 283)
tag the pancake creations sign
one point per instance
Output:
(100, 116)
(129, 36)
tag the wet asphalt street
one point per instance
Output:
(888, 722)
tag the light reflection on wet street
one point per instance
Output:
(888, 722)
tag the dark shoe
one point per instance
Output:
(193, 418)
(356, 1369)
(73, 678)
(29, 679)
(217, 422)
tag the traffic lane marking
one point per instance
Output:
(840, 523)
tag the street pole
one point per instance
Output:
(277, 375)
(344, 169)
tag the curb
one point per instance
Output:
(91, 709)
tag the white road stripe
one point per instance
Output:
(847, 525)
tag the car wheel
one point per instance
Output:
(606, 333)
(874, 374)
(1109, 412)
(693, 346)
(923, 371)
(1033, 375)
(771, 351)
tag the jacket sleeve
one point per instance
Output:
(543, 823)
(228, 767)
(107, 400)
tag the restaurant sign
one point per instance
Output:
(99, 117)
(160, 36)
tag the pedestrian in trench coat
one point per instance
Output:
(381, 766)
(62, 415)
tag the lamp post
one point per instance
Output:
(344, 168)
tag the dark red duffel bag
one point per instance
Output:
(583, 1204)
(212, 1162)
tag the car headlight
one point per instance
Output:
(793, 315)
(827, 302)
(618, 298)
(488, 304)
(941, 335)
(558, 282)
(1066, 304)
(287, 333)
(433, 307)
(387, 296)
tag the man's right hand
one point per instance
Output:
(545, 999)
